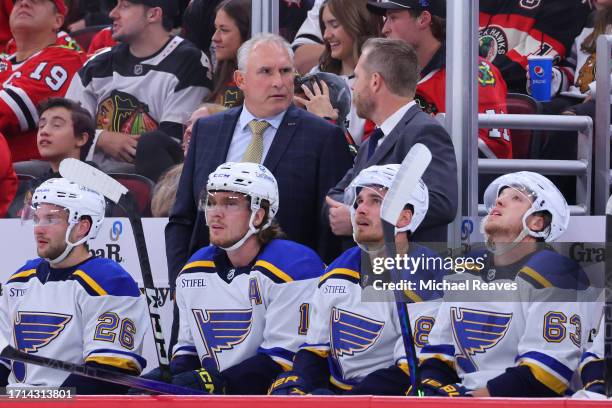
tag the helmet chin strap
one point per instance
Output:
(251, 231)
(505, 247)
(365, 248)
(69, 246)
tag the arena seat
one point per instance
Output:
(524, 142)
(84, 36)
(142, 189)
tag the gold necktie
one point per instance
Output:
(254, 151)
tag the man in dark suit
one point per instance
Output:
(384, 88)
(306, 154)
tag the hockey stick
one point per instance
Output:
(94, 179)
(608, 303)
(413, 166)
(98, 373)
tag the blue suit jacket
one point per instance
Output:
(308, 156)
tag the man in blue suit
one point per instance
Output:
(306, 154)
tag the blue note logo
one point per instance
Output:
(475, 331)
(222, 330)
(34, 330)
(352, 333)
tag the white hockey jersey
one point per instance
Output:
(534, 321)
(360, 335)
(136, 95)
(229, 314)
(92, 312)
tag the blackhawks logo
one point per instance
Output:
(492, 42)
(427, 107)
(121, 112)
(485, 74)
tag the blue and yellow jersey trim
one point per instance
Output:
(535, 278)
(281, 356)
(102, 277)
(22, 276)
(321, 350)
(206, 266)
(341, 273)
(444, 353)
(286, 261)
(547, 370)
(275, 274)
(89, 284)
(340, 384)
(547, 269)
(119, 359)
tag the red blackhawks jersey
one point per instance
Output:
(511, 30)
(25, 84)
(492, 91)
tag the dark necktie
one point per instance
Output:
(373, 141)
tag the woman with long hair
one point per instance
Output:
(346, 25)
(232, 28)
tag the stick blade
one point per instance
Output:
(92, 178)
(413, 166)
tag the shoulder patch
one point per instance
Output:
(285, 261)
(101, 277)
(201, 261)
(26, 272)
(547, 269)
(347, 266)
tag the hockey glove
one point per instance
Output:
(288, 383)
(155, 374)
(210, 381)
(433, 388)
(598, 386)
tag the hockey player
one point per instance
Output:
(141, 91)
(525, 337)
(244, 300)
(39, 69)
(67, 304)
(354, 343)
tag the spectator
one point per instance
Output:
(577, 99)
(92, 13)
(8, 178)
(232, 28)
(308, 42)
(346, 24)
(306, 154)
(34, 73)
(206, 109)
(424, 28)
(164, 193)
(384, 88)
(199, 18)
(103, 39)
(510, 31)
(141, 90)
(65, 130)
(5, 32)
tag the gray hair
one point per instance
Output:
(261, 38)
(395, 61)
